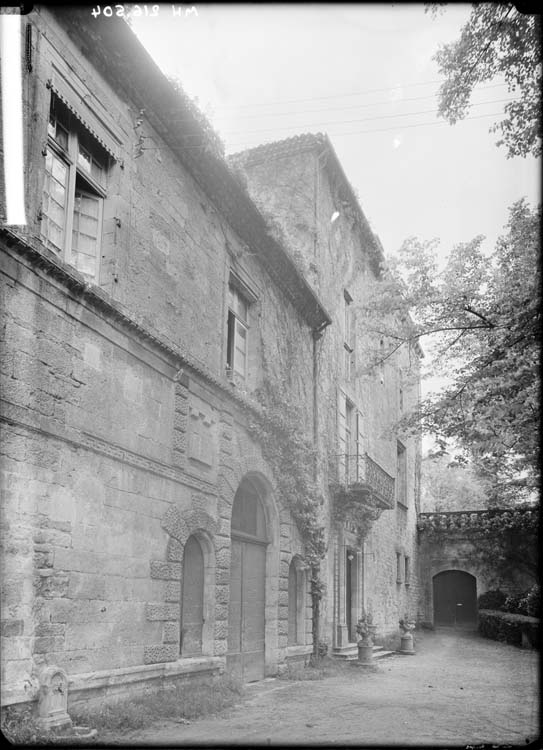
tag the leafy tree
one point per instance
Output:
(447, 486)
(481, 315)
(498, 40)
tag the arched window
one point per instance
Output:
(296, 604)
(192, 599)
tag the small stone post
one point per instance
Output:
(53, 699)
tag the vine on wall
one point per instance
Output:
(292, 458)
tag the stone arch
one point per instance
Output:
(209, 565)
(179, 526)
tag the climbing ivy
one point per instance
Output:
(292, 459)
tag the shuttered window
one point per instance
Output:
(73, 191)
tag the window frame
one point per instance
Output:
(78, 180)
(237, 328)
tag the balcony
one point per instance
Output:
(362, 481)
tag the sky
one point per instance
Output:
(364, 74)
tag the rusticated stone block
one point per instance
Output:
(160, 653)
(180, 421)
(171, 632)
(200, 519)
(222, 594)
(161, 611)
(282, 627)
(283, 598)
(221, 611)
(175, 550)
(222, 541)
(223, 558)
(222, 575)
(179, 441)
(175, 525)
(221, 629)
(166, 570)
(173, 591)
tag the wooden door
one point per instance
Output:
(246, 622)
(455, 598)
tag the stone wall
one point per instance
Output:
(456, 552)
(104, 387)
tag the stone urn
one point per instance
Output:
(366, 632)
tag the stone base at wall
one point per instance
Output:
(84, 690)
(298, 654)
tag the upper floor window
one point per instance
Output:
(240, 299)
(238, 329)
(74, 190)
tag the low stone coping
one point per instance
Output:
(139, 673)
(302, 650)
(121, 676)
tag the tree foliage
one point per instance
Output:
(448, 486)
(497, 41)
(482, 317)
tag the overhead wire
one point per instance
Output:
(320, 124)
(198, 147)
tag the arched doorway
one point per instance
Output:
(455, 598)
(192, 598)
(246, 614)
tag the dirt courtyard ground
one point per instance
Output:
(459, 689)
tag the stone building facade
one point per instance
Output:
(139, 516)
(369, 471)
(145, 304)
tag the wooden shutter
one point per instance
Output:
(53, 223)
(86, 231)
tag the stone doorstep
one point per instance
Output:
(350, 652)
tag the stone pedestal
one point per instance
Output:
(406, 644)
(53, 699)
(365, 653)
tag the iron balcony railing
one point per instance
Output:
(360, 472)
